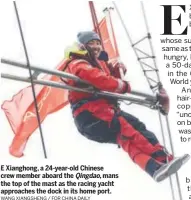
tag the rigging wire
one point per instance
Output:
(158, 85)
(95, 21)
(166, 117)
(31, 78)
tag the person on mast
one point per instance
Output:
(100, 119)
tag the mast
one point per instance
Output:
(109, 20)
(30, 80)
(154, 84)
(95, 21)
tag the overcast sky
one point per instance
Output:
(48, 28)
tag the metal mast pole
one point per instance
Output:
(31, 79)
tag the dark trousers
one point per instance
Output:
(131, 134)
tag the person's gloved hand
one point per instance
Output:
(117, 68)
(126, 87)
(164, 101)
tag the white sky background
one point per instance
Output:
(48, 28)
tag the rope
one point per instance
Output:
(31, 78)
(166, 118)
(156, 71)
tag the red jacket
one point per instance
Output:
(100, 78)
